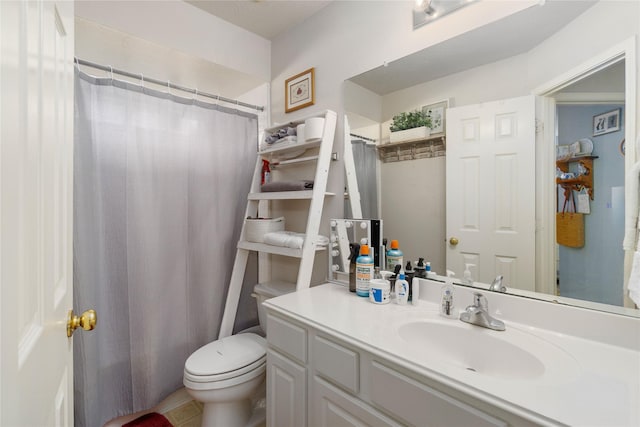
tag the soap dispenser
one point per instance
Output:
(446, 306)
(466, 277)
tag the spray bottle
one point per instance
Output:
(394, 256)
(364, 272)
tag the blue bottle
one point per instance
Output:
(364, 272)
(394, 256)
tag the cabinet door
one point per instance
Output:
(331, 407)
(286, 392)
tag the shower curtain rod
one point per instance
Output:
(364, 138)
(167, 84)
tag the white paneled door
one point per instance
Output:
(36, 166)
(491, 190)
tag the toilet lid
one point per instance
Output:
(226, 355)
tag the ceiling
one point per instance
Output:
(267, 18)
(478, 47)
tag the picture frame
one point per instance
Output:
(300, 91)
(606, 122)
(437, 112)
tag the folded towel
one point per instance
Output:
(287, 186)
(290, 239)
(634, 279)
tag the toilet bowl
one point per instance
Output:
(226, 373)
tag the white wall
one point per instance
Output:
(185, 28)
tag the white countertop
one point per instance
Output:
(588, 382)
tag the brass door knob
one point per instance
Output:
(453, 241)
(87, 321)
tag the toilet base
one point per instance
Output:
(227, 414)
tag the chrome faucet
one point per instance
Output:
(497, 285)
(478, 314)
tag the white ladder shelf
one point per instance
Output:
(255, 199)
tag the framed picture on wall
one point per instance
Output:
(299, 91)
(437, 113)
(606, 122)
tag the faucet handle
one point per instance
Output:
(480, 300)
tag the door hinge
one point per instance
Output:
(539, 126)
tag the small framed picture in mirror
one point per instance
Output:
(606, 122)
(437, 113)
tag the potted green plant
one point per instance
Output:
(410, 125)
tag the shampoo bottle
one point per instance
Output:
(446, 307)
(394, 256)
(402, 289)
(364, 272)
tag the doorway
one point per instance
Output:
(569, 105)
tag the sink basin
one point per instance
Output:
(509, 355)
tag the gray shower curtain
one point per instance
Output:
(366, 164)
(160, 186)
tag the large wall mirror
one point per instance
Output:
(579, 59)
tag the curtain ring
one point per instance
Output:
(195, 97)
(111, 71)
(142, 78)
(169, 86)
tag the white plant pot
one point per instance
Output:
(407, 134)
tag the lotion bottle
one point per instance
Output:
(402, 289)
(446, 306)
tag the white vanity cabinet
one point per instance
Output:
(315, 378)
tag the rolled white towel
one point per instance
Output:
(290, 239)
(634, 279)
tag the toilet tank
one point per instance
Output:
(264, 291)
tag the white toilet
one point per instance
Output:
(226, 373)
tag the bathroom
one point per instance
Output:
(341, 40)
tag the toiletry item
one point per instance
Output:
(446, 306)
(394, 255)
(430, 274)
(415, 292)
(402, 289)
(353, 256)
(408, 275)
(380, 291)
(364, 272)
(420, 270)
(266, 172)
(394, 277)
(466, 277)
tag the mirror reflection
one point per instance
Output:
(421, 187)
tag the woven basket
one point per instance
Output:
(255, 229)
(570, 229)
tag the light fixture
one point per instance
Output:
(426, 11)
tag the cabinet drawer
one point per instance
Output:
(337, 363)
(420, 405)
(288, 338)
(332, 407)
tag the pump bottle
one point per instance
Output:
(466, 277)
